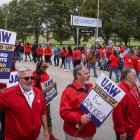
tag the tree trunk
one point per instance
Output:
(36, 37)
(60, 38)
(75, 39)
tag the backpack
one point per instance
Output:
(79, 90)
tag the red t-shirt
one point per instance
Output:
(39, 51)
(27, 48)
(129, 61)
(47, 52)
(114, 61)
(102, 53)
(67, 54)
(77, 55)
(63, 52)
(109, 53)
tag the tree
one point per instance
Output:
(118, 17)
(26, 17)
(59, 19)
(2, 17)
(74, 6)
(89, 9)
(137, 8)
(125, 20)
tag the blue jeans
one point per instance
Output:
(93, 66)
(138, 76)
(111, 69)
(69, 63)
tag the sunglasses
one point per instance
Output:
(27, 78)
(44, 67)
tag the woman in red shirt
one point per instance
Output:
(47, 54)
(113, 66)
(68, 60)
(63, 56)
(39, 52)
(27, 50)
(40, 76)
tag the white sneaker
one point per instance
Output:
(68, 70)
(65, 70)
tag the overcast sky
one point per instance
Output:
(4, 1)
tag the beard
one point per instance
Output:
(26, 87)
(86, 81)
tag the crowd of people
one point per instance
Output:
(107, 58)
(24, 105)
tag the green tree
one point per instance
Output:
(107, 9)
(58, 13)
(26, 17)
(3, 18)
(137, 31)
(125, 20)
(118, 17)
(74, 6)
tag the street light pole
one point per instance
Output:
(97, 20)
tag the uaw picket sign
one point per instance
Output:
(50, 90)
(7, 43)
(13, 80)
(101, 100)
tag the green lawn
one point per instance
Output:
(71, 42)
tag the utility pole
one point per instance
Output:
(97, 19)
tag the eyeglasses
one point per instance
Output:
(44, 67)
(27, 78)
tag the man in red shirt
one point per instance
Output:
(126, 116)
(25, 109)
(2, 114)
(77, 124)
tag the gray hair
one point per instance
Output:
(23, 69)
(77, 70)
(125, 72)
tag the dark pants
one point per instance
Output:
(2, 121)
(111, 69)
(63, 61)
(56, 60)
(34, 57)
(128, 137)
(77, 62)
(39, 57)
(47, 58)
(27, 54)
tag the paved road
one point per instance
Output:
(105, 132)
